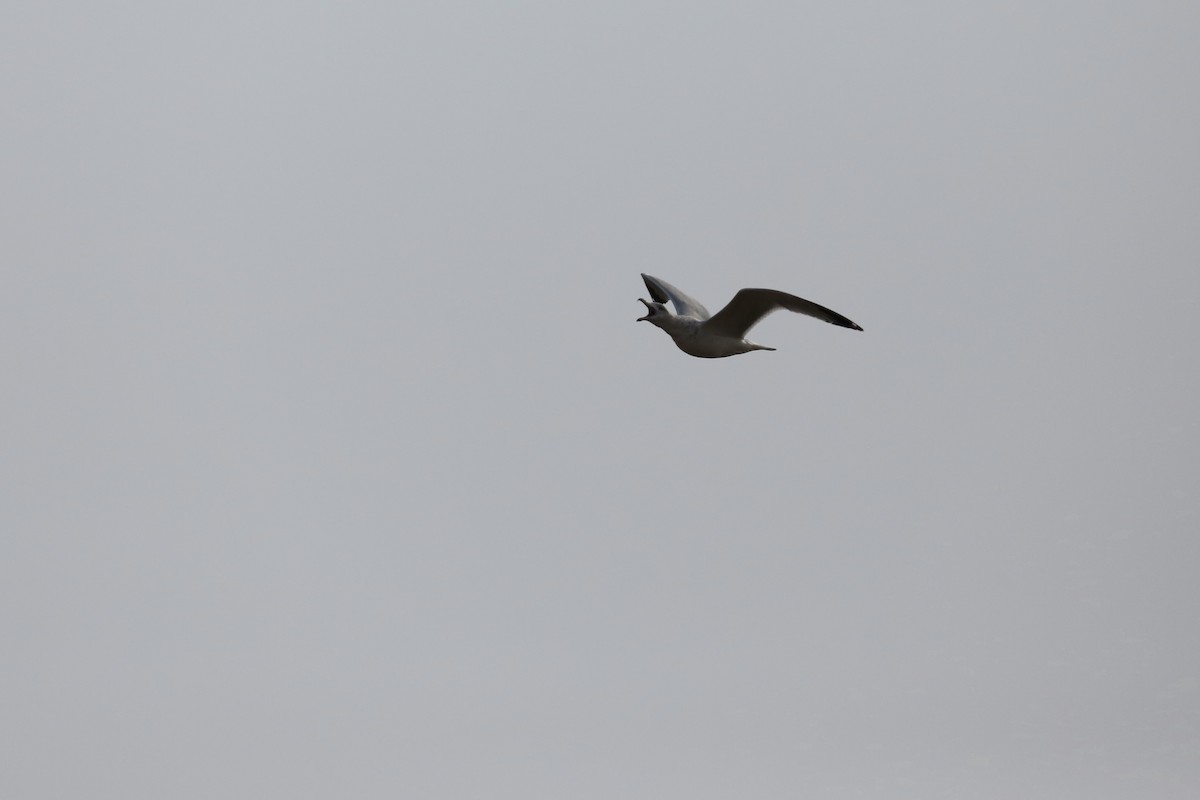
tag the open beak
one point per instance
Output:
(648, 307)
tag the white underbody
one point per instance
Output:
(690, 337)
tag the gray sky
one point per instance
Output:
(335, 464)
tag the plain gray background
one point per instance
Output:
(335, 465)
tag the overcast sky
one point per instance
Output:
(335, 464)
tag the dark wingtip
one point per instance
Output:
(657, 294)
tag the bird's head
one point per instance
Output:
(655, 312)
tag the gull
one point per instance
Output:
(700, 334)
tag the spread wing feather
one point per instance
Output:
(664, 292)
(750, 305)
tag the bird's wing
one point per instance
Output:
(663, 292)
(750, 305)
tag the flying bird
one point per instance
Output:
(700, 334)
